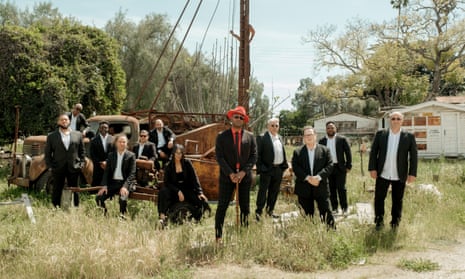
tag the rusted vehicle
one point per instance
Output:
(30, 170)
(117, 124)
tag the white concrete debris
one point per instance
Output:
(430, 188)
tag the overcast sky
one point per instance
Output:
(279, 59)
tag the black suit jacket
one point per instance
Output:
(81, 121)
(407, 154)
(322, 166)
(343, 152)
(265, 152)
(149, 151)
(96, 152)
(167, 134)
(226, 154)
(58, 158)
(128, 169)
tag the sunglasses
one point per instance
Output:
(396, 118)
(274, 125)
(238, 117)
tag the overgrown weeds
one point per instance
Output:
(82, 243)
(418, 265)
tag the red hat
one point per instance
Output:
(238, 110)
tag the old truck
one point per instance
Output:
(29, 169)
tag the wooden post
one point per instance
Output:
(244, 56)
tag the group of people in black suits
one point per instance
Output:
(320, 167)
(114, 165)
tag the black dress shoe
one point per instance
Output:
(394, 226)
(272, 215)
(379, 226)
(258, 217)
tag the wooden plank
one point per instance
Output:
(143, 196)
(84, 189)
(141, 193)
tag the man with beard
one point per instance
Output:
(100, 146)
(64, 156)
(342, 162)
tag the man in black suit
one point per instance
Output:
(342, 161)
(271, 163)
(312, 166)
(64, 156)
(100, 146)
(236, 153)
(144, 150)
(163, 138)
(78, 121)
(393, 161)
(119, 176)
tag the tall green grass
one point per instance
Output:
(82, 243)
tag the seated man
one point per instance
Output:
(163, 138)
(119, 176)
(145, 150)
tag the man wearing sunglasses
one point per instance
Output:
(145, 150)
(271, 163)
(236, 153)
(393, 161)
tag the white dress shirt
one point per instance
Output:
(118, 175)
(390, 165)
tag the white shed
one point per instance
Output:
(439, 128)
(347, 123)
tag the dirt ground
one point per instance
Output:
(449, 256)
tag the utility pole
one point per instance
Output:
(246, 34)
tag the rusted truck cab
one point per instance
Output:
(29, 168)
(117, 124)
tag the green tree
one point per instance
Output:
(49, 65)
(435, 31)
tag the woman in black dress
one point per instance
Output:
(181, 184)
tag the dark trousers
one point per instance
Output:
(164, 161)
(167, 197)
(397, 194)
(224, 197)
(270, 184)
(113, 189)
(321, 198)
(337, 188)
(97, 175)
(59, 177)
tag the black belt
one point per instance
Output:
(276, 165)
